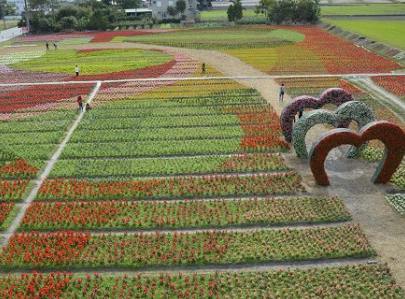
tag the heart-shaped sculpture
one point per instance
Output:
(390, 134)
(336, 96)
(341, 117)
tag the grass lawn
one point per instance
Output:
(9, 24)
(364, 9)
(386, 31)
(93, 62)
(220, 15)
(226, 38)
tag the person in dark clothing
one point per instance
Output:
(47, 46)
(80, 103)
(55, 46)
(300, 113)
(282, 91)
(203, 68)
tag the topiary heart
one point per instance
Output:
(354, 110)
(336, 96)
(390, 134)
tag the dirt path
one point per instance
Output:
(350, 179)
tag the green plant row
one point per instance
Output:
(63, 250)
(167, 166)
(183, 214)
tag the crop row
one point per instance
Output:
(32, 96)
(314, 86)
(394, 84)
(156, 134)
(90, 123)
(29, 138)
(167, 148)
(17, 169)
(183, 214)
(399, 177)
(70, 249)
(165, 112)
(34, 126)
(397, 201)
(168, 166)
(30, 152)
(13, 190)
(5, 211)
(171, 188)
(346, 282)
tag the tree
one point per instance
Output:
(6, 9)
(264, 7)
(235, 11)
(68, 23)
(171, 11)
(180, 7)
(283, 11)
(308, 11)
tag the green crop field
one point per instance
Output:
(387, 31)
(220, 38)
(93, 62)
(220, 15)
(364, 9)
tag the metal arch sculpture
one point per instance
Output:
(354, 110)
(390, 134)
(335, 96)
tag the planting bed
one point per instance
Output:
(70, 249)
(371, 281)
(319, 52)
(184, 214)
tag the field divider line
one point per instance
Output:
(230, 229)
(45, 173)
(180, 200)
(209, 268)
(205, 78)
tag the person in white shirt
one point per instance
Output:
(77, 70)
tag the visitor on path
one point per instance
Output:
(203, 68)
(300, 112)
(77, 70)
(282, 91)
(47, 46)
(55, 46)
(80, 103)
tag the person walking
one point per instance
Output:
(300, 112)
(203, 68)
(47, 46)
(80, 103)
(55, 46)
(77, 70)
(282, 91)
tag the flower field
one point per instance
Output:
(345, 282)
(395, 85)
(185, 214)
(61, 249)
(187, 179)
(319, 52)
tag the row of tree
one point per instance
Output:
(280, 11)
(49, 16)
(290, 11)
